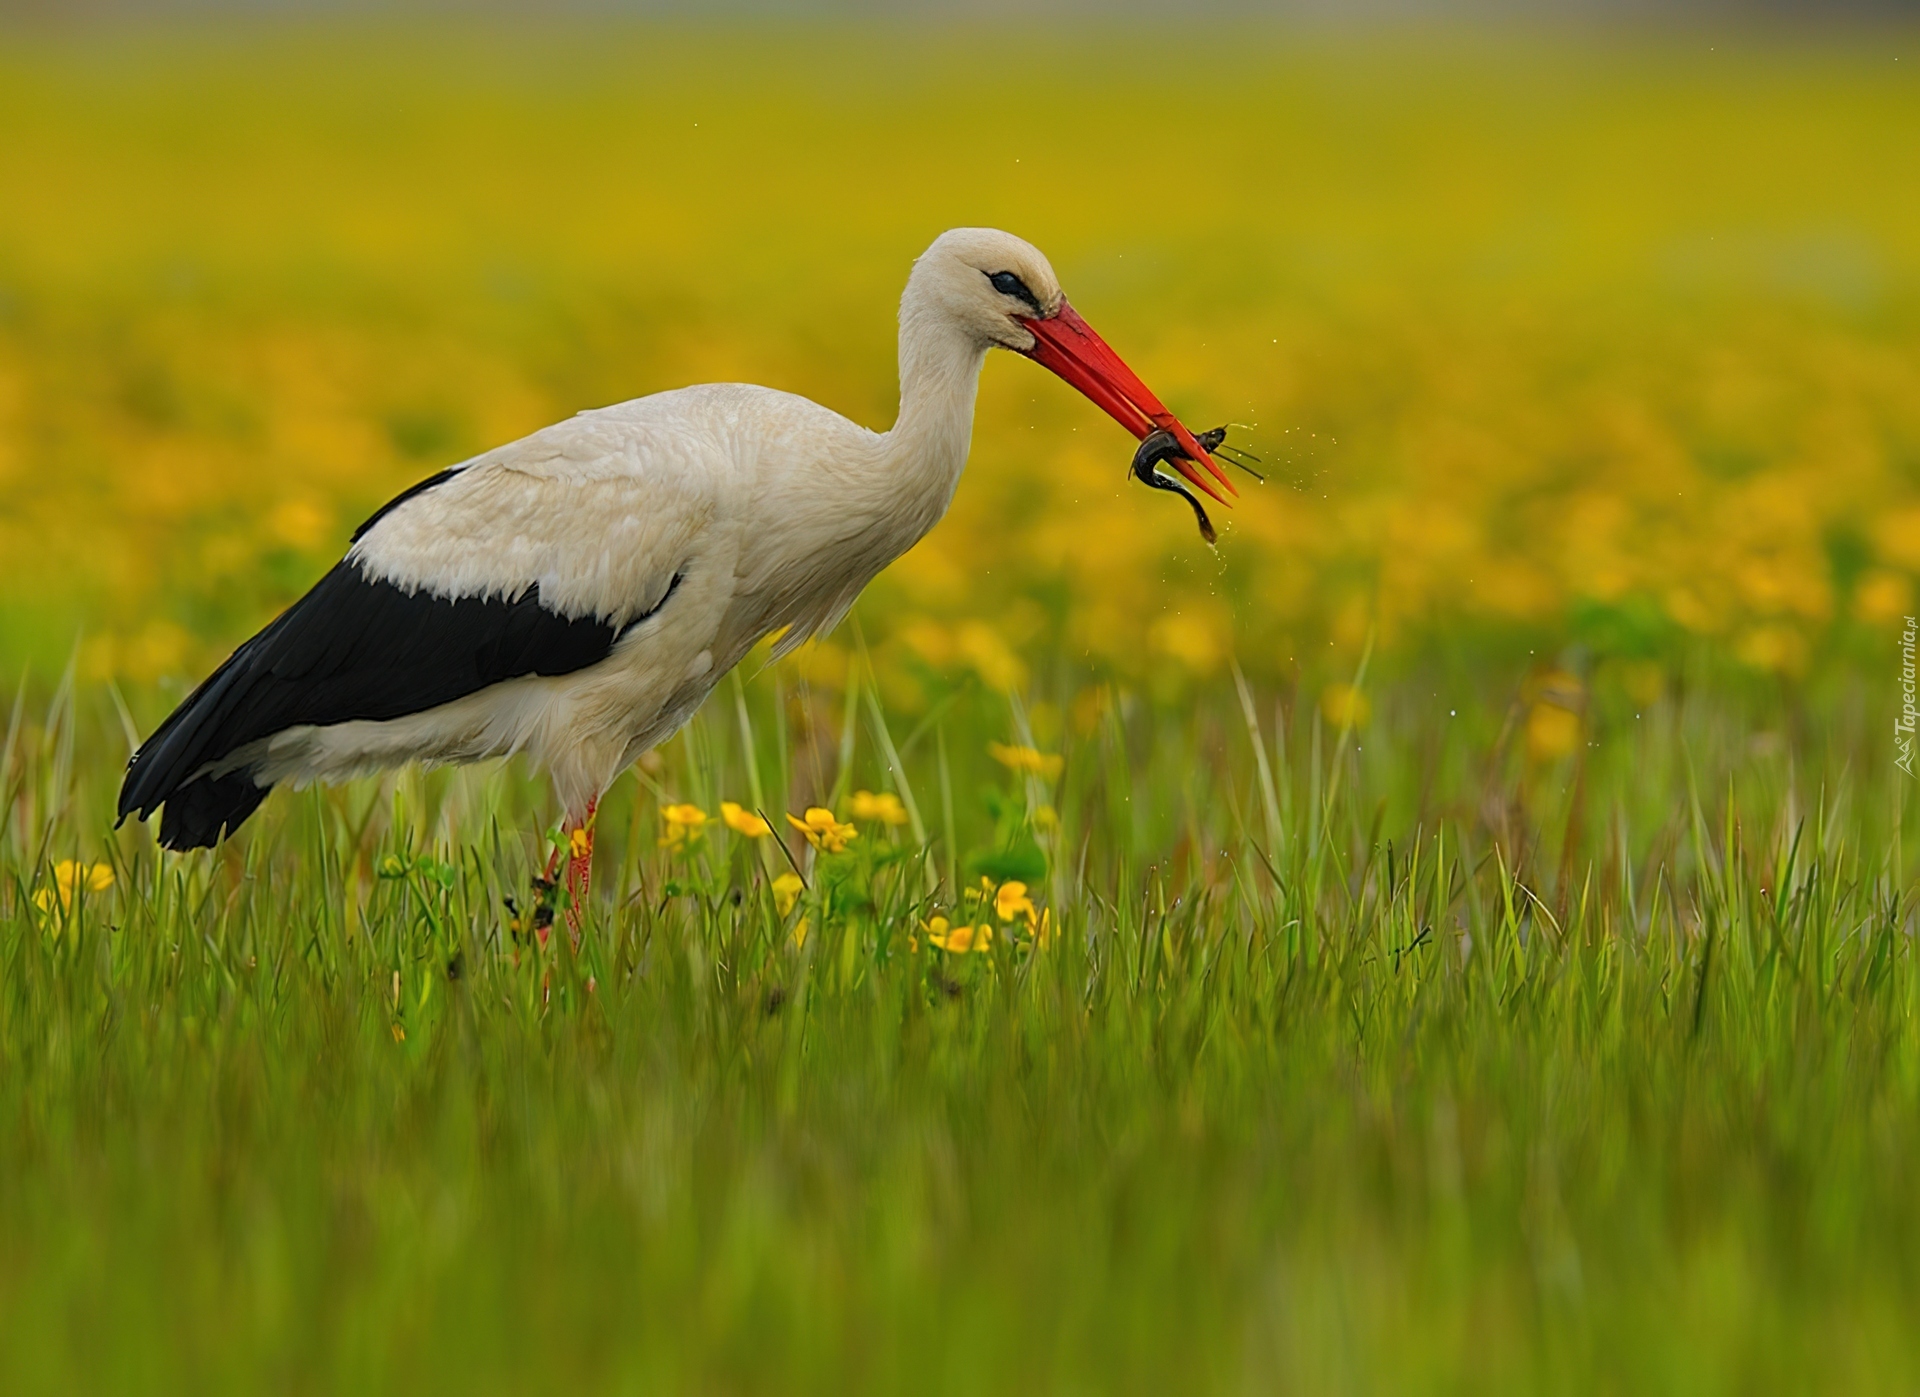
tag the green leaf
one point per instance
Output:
(1021, 860)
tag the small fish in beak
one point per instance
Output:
(1162, 445)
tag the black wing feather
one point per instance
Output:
(353, 648)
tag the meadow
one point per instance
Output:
(1455, 936)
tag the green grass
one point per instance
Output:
(1550, 1031)
(1625, 1099)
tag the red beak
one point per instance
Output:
(1067, 344)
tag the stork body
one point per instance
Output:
(575, 595)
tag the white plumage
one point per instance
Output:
(575, 595)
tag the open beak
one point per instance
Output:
(1067, 344)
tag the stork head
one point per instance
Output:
(1001, 291)
(989, 283)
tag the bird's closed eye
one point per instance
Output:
(1007, 284)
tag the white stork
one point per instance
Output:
(576, 594)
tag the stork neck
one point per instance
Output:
(939, 378)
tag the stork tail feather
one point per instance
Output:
(202, 812)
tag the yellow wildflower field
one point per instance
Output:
(1612, 341)
(1503, 980)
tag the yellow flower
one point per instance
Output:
(823, 831)
(1045, 765)
(1193, 640)
(1043, 930)
(69, 877)
(991, 657)
(580, 843)
(885, 807)
(1012, 901)
(743, 821)
(786, 891)
(1882, 597)
(683, 825)
(1552, 732)
(800, 933)
(1344, 706)
(1553, 720)
(958, 940)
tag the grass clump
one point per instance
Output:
(1459, 1069)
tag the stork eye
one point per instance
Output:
(1007, 284)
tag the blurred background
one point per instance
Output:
(1590, 347)
(1454, 1006)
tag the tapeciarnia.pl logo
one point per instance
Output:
(1904, 724)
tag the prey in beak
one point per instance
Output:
(1161, 445)
(1067, 345)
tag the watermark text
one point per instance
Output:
(1903, 726)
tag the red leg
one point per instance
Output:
(576, 847)
(579, 868)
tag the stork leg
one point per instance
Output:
(577, 848)
(579, 867)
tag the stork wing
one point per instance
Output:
(596, 512)
(530, 560)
